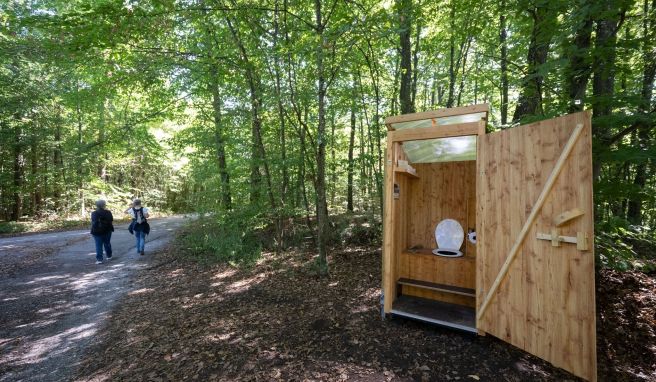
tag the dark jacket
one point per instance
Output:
(101, 222)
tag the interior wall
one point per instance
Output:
(443, 191)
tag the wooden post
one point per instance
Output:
(388, 224)
(555, 240)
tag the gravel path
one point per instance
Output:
(54, 299)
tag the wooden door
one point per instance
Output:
(536, 181)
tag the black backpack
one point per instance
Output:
(101, 225)
(136, 216)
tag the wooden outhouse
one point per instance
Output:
(523, 198)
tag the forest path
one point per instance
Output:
(53, 298)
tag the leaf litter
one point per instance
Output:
(279, 321)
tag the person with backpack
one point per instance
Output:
(139, 224)
(101, 230)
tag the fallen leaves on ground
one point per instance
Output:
(278, 321)
(626, 326)
(12, 263)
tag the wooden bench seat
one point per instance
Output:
(438, 287)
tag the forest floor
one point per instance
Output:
(626, 326)
(277, 320)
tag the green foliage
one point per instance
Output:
(233, 238)
(13, 227)
(115, 99)
(358, 229)
(621, 246)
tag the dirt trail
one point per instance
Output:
(54, 299)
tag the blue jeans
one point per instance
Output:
(103, 240)
(141, 240)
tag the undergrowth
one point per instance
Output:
(231, 237)
(623, 247)
(239, 237)
(13, 227)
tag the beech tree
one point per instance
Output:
(273, 110)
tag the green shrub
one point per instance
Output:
(362, 230)
(42, 225)
(12, 227)
(621, 246)
(231, 237)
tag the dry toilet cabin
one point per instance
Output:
(492, 232)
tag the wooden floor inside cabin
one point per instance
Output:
(436, 312)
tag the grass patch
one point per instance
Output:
(12, 228)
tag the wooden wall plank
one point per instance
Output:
(423, 265)
(443, 191)
(388, 245)
(546, 306)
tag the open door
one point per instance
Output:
(535, 262)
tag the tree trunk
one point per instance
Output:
(333, 161)
(415, 63)
(59, 167)
(463, 55)
(503, 36)
(452, 56)
(258, 152)
(302, 176)
(35, 199)
(219, 141)
(364, 184)
(349, 186)
(102, 159)
(433, 99)
(634, 213)
(405, 25)
(17, 208)
(281, 110)
(80, 158)
(579, 68)
(322, 208)
(603, 81)
(46, 179)
(530, 97)
(374, 74)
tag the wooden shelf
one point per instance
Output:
(436, 312)
(398, 170)
(438, 287)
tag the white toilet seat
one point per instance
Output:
(449, 236)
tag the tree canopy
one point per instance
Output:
(276, 107)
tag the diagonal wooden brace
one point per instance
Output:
(531, 218)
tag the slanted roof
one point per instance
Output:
(447, 149)
(472, 113)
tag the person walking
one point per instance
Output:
(101, 230)
(139, 224)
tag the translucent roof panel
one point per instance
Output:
(474, 117)
(441, 149)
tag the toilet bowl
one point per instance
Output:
(449, 236)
